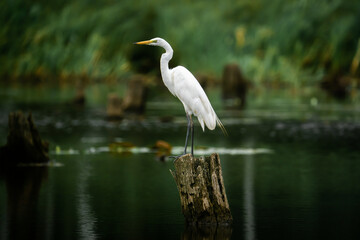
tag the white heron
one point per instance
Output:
(183, 85)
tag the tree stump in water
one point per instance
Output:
(234, 86)
(114, 107)
(337, 84)
(24, 144)
(202, 191)
(79, 98)
(135, 97)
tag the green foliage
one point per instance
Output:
(292, 41)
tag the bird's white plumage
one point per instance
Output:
(183, 85)
(191, 94)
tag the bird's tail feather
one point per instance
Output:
(222, 127)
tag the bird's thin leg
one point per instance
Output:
(192, 136)
(189, 125)
(187, 131)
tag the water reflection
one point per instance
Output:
(87, 219)
(22, 187)
(207, 232)
(249, 214)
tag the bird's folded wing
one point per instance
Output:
(193, 97)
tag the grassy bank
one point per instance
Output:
(291, 42)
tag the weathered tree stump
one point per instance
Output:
(79, 98)
(337, 84)
(114, 107)
(24, 144)
(135, 97)
(234, 86)
(202, 191)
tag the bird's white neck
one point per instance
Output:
(164, 63)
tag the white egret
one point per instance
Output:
(183, 85)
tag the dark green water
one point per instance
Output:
(291, 171)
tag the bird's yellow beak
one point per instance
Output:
(145, 42)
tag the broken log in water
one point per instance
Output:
(202, 191)
(79, 98)
(133, 103)
(24, 144)
(234, 86)
(114, 109)
(135, 97)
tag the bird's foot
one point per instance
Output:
(178, 156)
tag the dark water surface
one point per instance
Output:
(291, 171)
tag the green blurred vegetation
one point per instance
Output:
(295, 42)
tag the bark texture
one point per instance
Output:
(202, 191)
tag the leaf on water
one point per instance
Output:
(162, 148)
(160, 144)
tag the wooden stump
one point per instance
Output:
(114, 107)
(24, 144)
(79, 98)
(337, 84)
(135, 97)
(202, 191)
(234, 86)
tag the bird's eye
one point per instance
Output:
(154, 41)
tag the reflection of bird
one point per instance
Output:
(183, 85)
